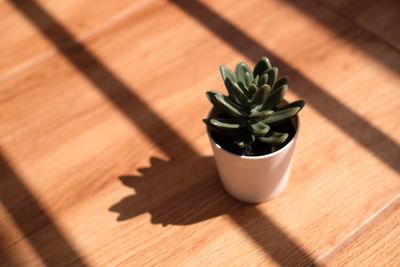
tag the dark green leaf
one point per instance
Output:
(252, 89)
(272, 76)
(211, 97)
(261, 95)
(282, 115)
(275, 97)
(280, 82)
(241, 70)
(259, 128)
(229, 132)
(243, 87)
(262, 66)
(298, 103)
(235, 91)
(227, 124)
(263, 80)
(227, 73)
(249, 79)
(256, 78)
(260, 115)
(274, 138)
(228, 106)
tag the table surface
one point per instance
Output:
(105, 160)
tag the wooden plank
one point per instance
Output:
(359, 34)
(22, 44)
(135, 98)
(378, 246)
(381, 18)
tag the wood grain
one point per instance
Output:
(378, 246)
(22, 44)
(381, 18)
(107, 157)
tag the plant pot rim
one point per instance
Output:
(296, 122)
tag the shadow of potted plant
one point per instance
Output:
(253, 131)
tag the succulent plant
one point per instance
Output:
(250, 110)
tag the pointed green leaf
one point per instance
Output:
(227, 73)
(231, 94)
(282, 115)
(275, 97)
(243, 87)
(249, 79)
(220, 104)
(211, 97)
(256, 109)
(227, 124)
(263, 80)
(274, 138)
(228, 106)
(229, 132)
(241, 70)
(285, 113)
(259, 128)
(252, 89)
(262, 66)
(256, 78)
(261, 95)
(260, 115)
(297, 103)
(272, 76)
(280, 82)
(237, 92)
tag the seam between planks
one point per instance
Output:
(124, 15)
(385, 210)
(357, 25)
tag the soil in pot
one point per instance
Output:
(259, 148)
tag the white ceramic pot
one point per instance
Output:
(259, 178)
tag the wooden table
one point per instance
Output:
(105, 160)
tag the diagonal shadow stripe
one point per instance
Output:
(356, 127)
(6, 258)
(308, 8)
(30, 216)
(115, 90)
(123, 98)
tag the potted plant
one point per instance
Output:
(253, 131)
